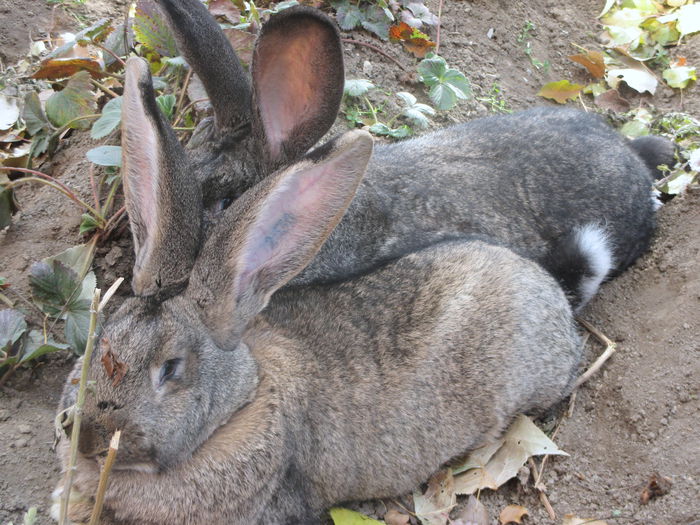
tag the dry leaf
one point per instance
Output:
(226, 9)
(570, 519)
(560, 91)
(639, 79)
(522, 440)
(394, 517)
(474, 513)
(433, 507)
(512, 514)
(243, 43)
(612, 100)
(413, 40)
(592, 61)
(657, 486)
(115, 369)
(56, 68)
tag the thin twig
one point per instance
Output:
(49, 181)
(537, 474)
(545, 501)
(104, 88)
(93, 186)
(110, 292)
(187, 108)
(183, 92)
(374, 48)
(114, 55)
(610, 347)
(104, 475)
(77, 411)
(437, 36)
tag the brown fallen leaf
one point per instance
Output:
(226, 9)
(592, 61)
(414, 40)
(433, 507)
(394, 517)
(612, 100)
(560, 91)
(473, 514)
(115, 369)
(57, 68)
(657, 486)
(512, 514)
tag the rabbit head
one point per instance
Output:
(187, 367)
(261, 123)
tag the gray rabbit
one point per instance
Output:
(556, 185)
(246, 404)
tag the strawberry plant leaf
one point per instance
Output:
(105, 156)
(152, 31)
(110, 119)
(12, 328)
(75, 100)
(679, 77)
(415, 111)
(33, 114)
(9, 111)
(94, 31)
(88, 223)
(342, 516)
(357, 87)
(35, 347)
(446, 85)
(348, 15)
(397, 133)
(166, 103)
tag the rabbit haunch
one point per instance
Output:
(244, 403)
(529, 180)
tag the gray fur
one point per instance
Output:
(528, 179)
(326, 393)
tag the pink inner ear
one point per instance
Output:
(141, 167)
(288, 82)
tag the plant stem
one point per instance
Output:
(183, 92)
(77, 411)
(48, 180)
(187, 108)
(437, 36)
(76, 119)
(104, 88)
(375, 48)
(104, 476)
(371, 108)
(114, 55)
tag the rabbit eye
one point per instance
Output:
(223, 204)
(169, 370)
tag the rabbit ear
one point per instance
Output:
(207, 50)
(164, 206)
(278, 226)
(297, 81)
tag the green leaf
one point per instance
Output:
(348, 15)
(431, 69)
(110, 119)
(342, 516)
(357, 87)
(7, 207)
(36, 346)
(119, 42)
(151, 30)
(88, 223)
(105, 155)
(78, 325)
(30, 516)
(75, 100)
(33, 115)
(383, 129)
(166, 103)
(679, 77)
(12, 328)
(634, 129)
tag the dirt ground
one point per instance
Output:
(637, 417)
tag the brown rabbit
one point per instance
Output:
(243, 407)
(557, 185)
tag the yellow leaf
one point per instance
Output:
(560, 91)
(592, 61)
(342, 516)
(512, 514)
